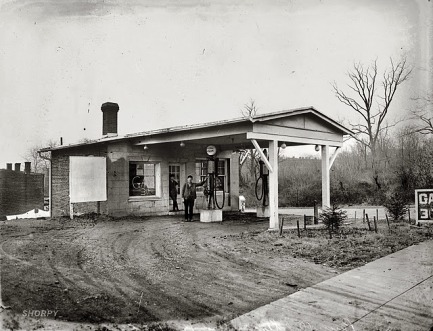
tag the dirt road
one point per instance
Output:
(138, 270)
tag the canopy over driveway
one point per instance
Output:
(303, 126)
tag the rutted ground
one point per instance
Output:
(136, 270)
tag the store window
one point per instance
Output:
(144, 179)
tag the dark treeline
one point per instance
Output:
(404, 162)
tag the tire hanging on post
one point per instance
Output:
(215, 195)
(264, 190)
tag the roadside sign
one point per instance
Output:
(424, 205)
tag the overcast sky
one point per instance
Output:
(169, 63)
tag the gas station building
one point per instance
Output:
(129, 175)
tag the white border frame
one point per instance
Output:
(418, 220)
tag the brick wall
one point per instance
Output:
(119, 155)
(60, 181)
(20, 192)
(109, 124)
(109, 118)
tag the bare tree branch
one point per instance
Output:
(364, 80)
(424, 113)
(250, 110)
(40, 163)
(371, 98)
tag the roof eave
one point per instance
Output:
(177, 129)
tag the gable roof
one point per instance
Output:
(256, 118)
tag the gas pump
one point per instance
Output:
(212, 173)
(262, 183)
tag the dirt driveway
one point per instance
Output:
(136, 270)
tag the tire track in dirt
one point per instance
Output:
(157, 259)
(151, 269)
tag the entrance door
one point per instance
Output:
(178, 170)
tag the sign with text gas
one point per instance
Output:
(424, 205)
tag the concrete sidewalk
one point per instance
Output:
(391, 293)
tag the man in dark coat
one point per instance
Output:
(173, 192)
(189, 194)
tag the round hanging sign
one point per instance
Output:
(211, 150)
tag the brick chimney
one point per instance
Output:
(109, 118)
(27, 167)
(9, 166)
(17, 166)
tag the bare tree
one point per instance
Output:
(424, 113)
(250, 110)
(40, 164)
(371, 98)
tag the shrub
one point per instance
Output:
(333, 217)
(396, 205)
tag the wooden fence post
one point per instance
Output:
(368, 222)
(375, 224)
(316, 212)
(281, 226)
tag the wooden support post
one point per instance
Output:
(377, 214)
(305, 222)
(368, 222)
(326, 190)
(273, 185)
(375, 224)
(363, 216)
(387, 220)
(355, 216)
(408, 211)
(299, 231)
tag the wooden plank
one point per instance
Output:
(262, 155)
(333, 157)
(296, 132)
(291, 139)
(197, 134)
(410, 311)
(384, 294)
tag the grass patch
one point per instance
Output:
(352, 246)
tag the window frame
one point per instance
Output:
(158, 181)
